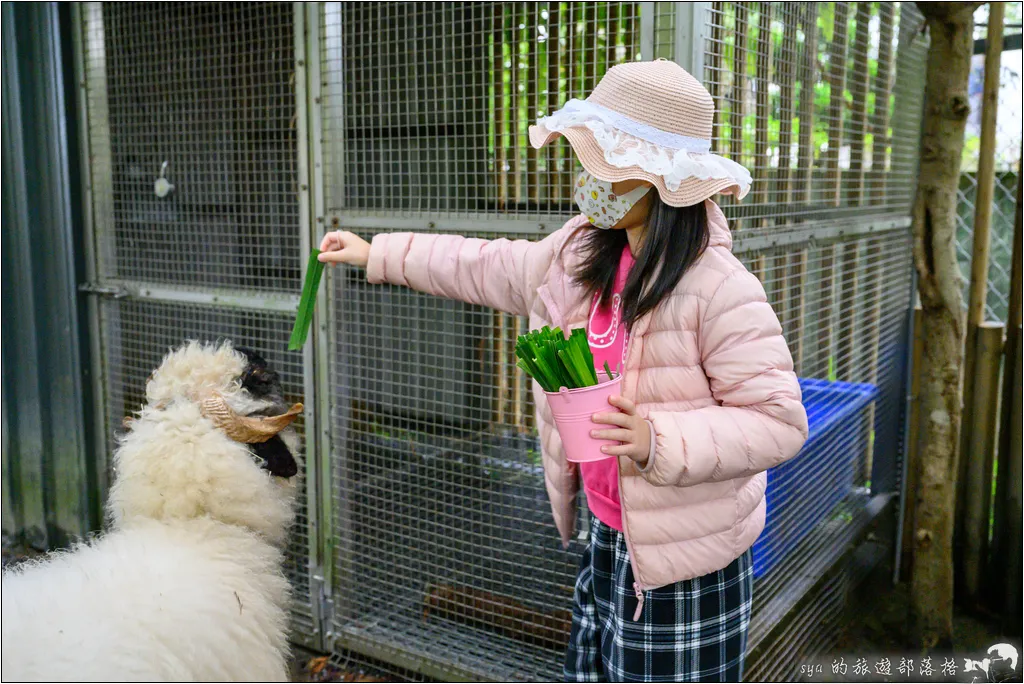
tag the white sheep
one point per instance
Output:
(187, 583)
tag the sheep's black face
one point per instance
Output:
(275, 457)
(264, 385)
(259, 380)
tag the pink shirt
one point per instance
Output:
(607, 336)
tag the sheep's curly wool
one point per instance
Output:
(187, 583)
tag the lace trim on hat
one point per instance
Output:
(627, 143)
(592, 111)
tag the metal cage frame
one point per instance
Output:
(789, 242)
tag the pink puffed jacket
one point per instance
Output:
(708, 367)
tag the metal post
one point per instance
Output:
(691, 27)
(97, 194)
(647, 10)
(97, 397)
(911, 362)
(322, 535)
(312, 435)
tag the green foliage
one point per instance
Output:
(826, 20)
(536, 77)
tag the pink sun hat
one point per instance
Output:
(647, 121)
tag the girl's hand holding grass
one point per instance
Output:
(343, 247)
(632, 431)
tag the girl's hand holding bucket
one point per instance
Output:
(633, 431)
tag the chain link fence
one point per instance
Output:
(1009, 124)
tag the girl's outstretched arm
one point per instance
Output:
(502, 274)
(760, 421)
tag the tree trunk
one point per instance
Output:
(950, 26)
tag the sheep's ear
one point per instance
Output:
(277, 459)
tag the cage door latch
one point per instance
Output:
(113, 291)
(319, 591)
(162, 187)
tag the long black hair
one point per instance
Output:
(674, 239)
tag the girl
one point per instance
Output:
(710, 400)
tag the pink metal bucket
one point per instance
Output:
(572, 410)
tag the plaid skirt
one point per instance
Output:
(690, 631)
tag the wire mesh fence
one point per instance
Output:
(805, 99)
(430, 521)
(442, 517)
(427, 108)
(204, 97)
(440, 514)
(198, 89)
(853, 398)
(1007, 165)
(136, 337)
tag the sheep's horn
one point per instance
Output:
(246, 429)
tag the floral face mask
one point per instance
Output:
(602, 207)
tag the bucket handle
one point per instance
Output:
(564, 391)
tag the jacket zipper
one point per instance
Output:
(638, 588)
(639, 601)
